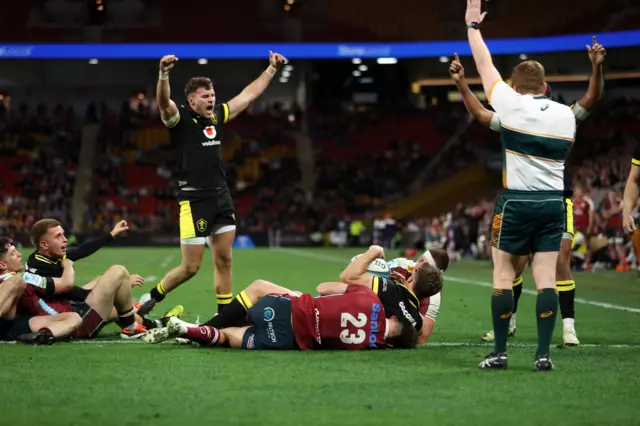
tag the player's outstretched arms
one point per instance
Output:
(168, 109)
(584, 106)
(483, 115)
(257, 87)
(488, 72)
(326, 289)
(356, 272)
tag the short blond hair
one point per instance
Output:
(528, 77)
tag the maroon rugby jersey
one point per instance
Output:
(353, 320)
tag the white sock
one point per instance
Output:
(512, 322)
(131, 327)
(158, 323)
(568, 324)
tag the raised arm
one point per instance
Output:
(488, 72)
(168, 109)
(471, 102)
(594, 92)
(257, 87)
(356, 272)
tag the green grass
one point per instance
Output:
(104, 383)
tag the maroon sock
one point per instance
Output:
(204, 334)
(45, 330)
(127, 318)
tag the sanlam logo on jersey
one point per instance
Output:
(375, 328)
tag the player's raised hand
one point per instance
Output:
(276, 59)
(119, 228)
(168, 62)
(136, 280)
(596, 52)
(456, 70)
(474, 12)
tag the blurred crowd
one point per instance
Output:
(354, 178)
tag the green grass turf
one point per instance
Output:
(106, 383)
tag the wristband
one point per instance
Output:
(475, 25)
(271, 70)
(163, 75)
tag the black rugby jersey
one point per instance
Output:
(398, 300)
(198, 140)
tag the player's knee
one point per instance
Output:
(190, 268)
(223, 260)
(119, 272)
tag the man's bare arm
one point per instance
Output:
(65, 283)
(471, 102)
(326, 289)
(631, 194)
(356, 272)
(594, 92)
(168, 108)
(256, 88)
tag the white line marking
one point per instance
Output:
(433, 344)
(150, 278)
(167, 261)
(465, 281)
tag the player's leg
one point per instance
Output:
(548, 236)
(114, 290)
(45, 328)
(566, 292)
(10, 292)
(510, 237)
(91, 284)
(517, 292)
(236, 312)
(221, 250)
(197, 212)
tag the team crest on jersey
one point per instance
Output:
(202, 225)
(210, 132)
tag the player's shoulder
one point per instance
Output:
(220, 113)
(6, 276)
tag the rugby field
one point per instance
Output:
(112, 382)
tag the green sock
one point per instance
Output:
(501, 309)
(546, 311)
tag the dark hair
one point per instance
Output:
(40, 229)
(197, 82)
(5, 243)
(408, 338)
(428, 281)
(440, 256)
(528, 77)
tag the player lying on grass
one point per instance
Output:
(398, 299)
(25, 328)
(41, 297)
(581, 109)
(282, 319)
(48, 236)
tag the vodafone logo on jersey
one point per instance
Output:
(210, 132)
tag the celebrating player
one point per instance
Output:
(354, 320)
(537, 134)
(26, 328)
(578, 208)
(206, 208)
